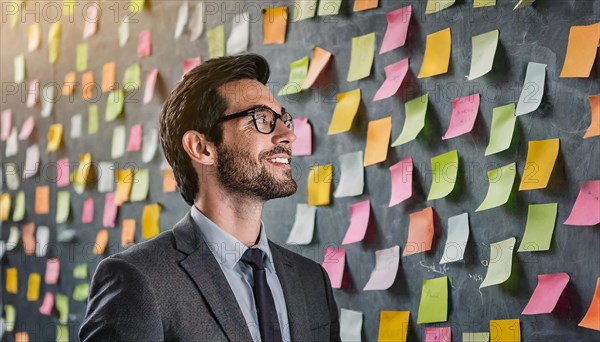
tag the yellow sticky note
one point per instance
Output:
(505, 330)
(393, 325)
(83, 170)
(82, 56)
(319, 184)
(42, 199)
(541, 156)
(69, 7)
(136, 6)
(434, 6)
(581, 51)
(54, 42)
(150, 221)
(437, 53)
(34, 35)
(55, 133)
(274, 25)
(12, 282)
(361, 60)
(4, 206)
(378, 140)
(345, 111)
(33, 287)
(124, 183)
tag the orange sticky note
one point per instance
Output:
(503, 330)
(42, 199)
(319, 184)
(361, 5)
(581, 51)
(150, 221)
(33, 287)
(69, 84)
(101, 242)
(378, 140)
(124, 184)
(541, 156)
(345, 111)
(420, 232)
(128, 234)
(12, 282)
(169, 183)
(87, 86)
(592, 317)
(274, 25)
(109, 71)
(437, 53)
(319, 60)
(21, 336)
(28, 238)
(594, 129)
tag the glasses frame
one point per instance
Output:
(251, 112)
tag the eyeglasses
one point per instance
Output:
(264, 118)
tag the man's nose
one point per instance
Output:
(282, 134)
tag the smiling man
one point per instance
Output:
(215, 276)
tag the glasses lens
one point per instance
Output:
(288, 120)
(264, 119)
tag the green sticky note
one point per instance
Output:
(304, 9)
(523, 3)
(141, 183)
(63, 206)
(434, 6)
(61, 303)
(434, 301)
(216, 41)
(93, 119)
(118, 142)
(444, 171)
(503, 126)
(80, 271)
(415, 119)
(132, 79)
(476, 337)
(539, 228)
(483, 3)
(136, 6)
(80, 293)
(114, 105)
(483, 52)
(10, 315)
(500, 262)
(82, 56)
(501, 182)
(361, 60)
(329, 7)
(298, 73)
(62, 333)
(19, 211)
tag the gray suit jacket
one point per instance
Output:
(171, 288)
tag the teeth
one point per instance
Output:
(280, 160)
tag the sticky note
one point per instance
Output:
(456, 241)
(586, 210)
(502, 129)
(151, 78)
(12, 282)
(135, 138)
(63, 206)
(401, 181)
(533, 89)
(541, 156)
(13, 238)
(394, 75)
(334, 263)
(483, 3)
(318, 62)
(274, 25)
(591, 320)
(150, 221)
(10, 314)
(298, 73)
(501, 182)
(80, 271)
(393, 325)
(125, 180)
(196, 24)
(19, 211)
(6, 119)
(444, 173)
(34, 37)
(304, 225)
(420, 232)
(438, 334)
(52, 271)
(33, 287)
(32, 161)
(136, 6)
(13, 178)
(594, 129)
(361, 59)
(546, 293)
(320, 178)
(76, 121)
(362, 5)
(80, 292)
(352, 180)
(109, 76)
(110, 210)
(42, 199)
(304, 9)
(182, 19)
(141, 184)
(359, 220)
(502, 330)
(54, 42)
(378, 140)
(464, 114)
(101, 242)
(42, 238)
(128, 232)
(239, 35)
(5, 202)
(345, 111)
(434, 6)
(33, 93)
(581, 50)
(87, 86)
(106, 178)
(500, 263)
(437, 54)
(55, 133)
(539, 228)
(433, 306)
(216, 41)
(523, 3)
(81, 57)
(329, 7)
(350, 323)
(132, 79)
(303, 144)
(19, 66)
(12, 145)
(415, 110)
(169, 183)
(386, 268)
(87, 215)
(397, 29)
(47, 304)
(61, 302)
(144, 48)
(114, 105)
(28, 238)
(92, 15)
(149, 145)
(69, 83)
(191, 63)
(118, 142)
(26, 128)
(92, 119)
(483, 52)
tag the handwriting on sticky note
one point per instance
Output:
(586, 210)
(464, 114)
(433, 306)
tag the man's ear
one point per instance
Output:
(199, 148)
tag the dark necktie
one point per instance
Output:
(265, 305)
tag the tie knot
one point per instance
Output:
(253, 257)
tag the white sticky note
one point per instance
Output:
(76, 121)
(106, 177)
(33, 93)
(12, 143)
(304, 225)
(124, 31)
(182, 18)
(118, 142)
(350, 324)
(456, 242)
(13, 238)
(32, 161)
(533, 89)
(352, 181)
(386, 268)
(196, 24)
(49, 97)
(12, 176)
(240, 32)
(149, 145)
(42, 237)
(19, 64)
(2, 250)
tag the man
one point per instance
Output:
(215, 276)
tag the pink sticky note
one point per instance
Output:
(401, 175)
(441, 334)
(135, 138)
(110, 210)
(334, 263)
(33, 93)
(546, 293)
(395, 34)
(91, 20)
(394, 75)
(359, 220)
(52, 271)
(150, 84)
(62, 172)
(47, 304)
(303, 144)
(87, 216)
(27, 128)
(144, 44)
(191, 63)
(464, 113)
(6, 120)
(586, 210)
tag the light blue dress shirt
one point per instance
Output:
(227, 251)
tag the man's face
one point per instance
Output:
(250, 162)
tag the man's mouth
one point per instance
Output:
(280, 160)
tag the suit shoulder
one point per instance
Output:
(150, 250)
(294, 257)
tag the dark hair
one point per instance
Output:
(196, 104)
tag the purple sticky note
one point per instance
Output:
(52, 271)
(464, 113)
(27, 128)
(401, 176)
(144, 44)
(110, 210)
(191, 63)
(334, 263)
(150, 84)
(33, 93)
(303, 144)
(359, 220)
(441, 334)
(6, 120)
(395, 34)
(546, 293)
(586, 210)
(135, 138)
(62, 172)
(87, 216)
(47, 304)
(394, 75)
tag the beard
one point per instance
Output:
(239, 173)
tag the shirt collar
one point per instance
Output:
(225, 247)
